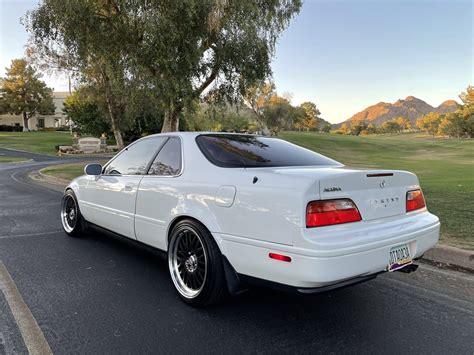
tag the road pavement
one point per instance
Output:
(105, 295)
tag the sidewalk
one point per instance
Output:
(451, 256)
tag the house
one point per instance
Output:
(39, 122)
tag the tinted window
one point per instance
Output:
(245, 151)
(134, 159)
(168, 161)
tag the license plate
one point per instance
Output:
(399, 257)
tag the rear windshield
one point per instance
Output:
(246, 151)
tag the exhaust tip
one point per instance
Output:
(409, 268)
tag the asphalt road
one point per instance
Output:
(103, 295)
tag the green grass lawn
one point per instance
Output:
(68, 171)
(8, 159)
(35, 142)
(445, 168)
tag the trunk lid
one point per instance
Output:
(376, 193)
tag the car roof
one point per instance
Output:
(195, 134)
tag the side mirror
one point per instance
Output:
(93, 169)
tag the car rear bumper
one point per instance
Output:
(313, 267)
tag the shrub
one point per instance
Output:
(9, 128)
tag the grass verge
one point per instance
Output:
(8, 159)
(67, 172)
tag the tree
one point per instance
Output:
(451, 125)
(466, 114)
(311, 118)
(467, 97)
(326, 128)
(371, 129)
(181, 50)
(403, 122)
(257, 97)
(23, 93)
(358, 126)
(390, 127)
(86, 37)
(429, 123)
(84, 109)
(344, 129)
(279, 114)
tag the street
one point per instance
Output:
(101, 294)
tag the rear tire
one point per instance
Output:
(195, 264)
(71, 219)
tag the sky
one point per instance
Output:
(345, 55)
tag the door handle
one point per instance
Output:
(129, 187)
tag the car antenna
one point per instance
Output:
(255, 179)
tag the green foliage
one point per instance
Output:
(459, 124)
(344, 129)
(279, 114)
(357, 127)
(179, 50)
(467, 97)
(84, 110)
(311, 120)
(326, 128)
(429, 123)
(391, 126)
(23, 93)
(235, 118)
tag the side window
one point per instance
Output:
(134, 159)
(168, 161)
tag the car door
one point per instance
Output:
(159, 195)
(109, 200)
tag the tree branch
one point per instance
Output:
(209, 80)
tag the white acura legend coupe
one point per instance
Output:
(232, 209)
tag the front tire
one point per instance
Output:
(195, 264)
(71, 218)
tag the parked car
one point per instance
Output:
(232, 208)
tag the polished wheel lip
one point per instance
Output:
(190, 265)
(69, 213)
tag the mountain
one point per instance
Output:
(411, 108)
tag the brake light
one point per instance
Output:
(415, 200)
(329, 212)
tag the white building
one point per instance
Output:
(39, 122)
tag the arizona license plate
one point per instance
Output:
(399, 257)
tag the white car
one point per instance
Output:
(230, 209)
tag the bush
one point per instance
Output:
(8, 128)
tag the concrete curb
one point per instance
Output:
(451, 256)
(50, 180)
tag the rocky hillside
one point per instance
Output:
(411, 108)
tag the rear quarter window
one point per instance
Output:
(247, 151)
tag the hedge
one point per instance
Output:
(7, 128)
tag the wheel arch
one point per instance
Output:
(231, 276)
(180, 218)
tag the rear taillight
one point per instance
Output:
(415, 200)
(329, 212)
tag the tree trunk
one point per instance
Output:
(171, 122)
(25, 122)
(113, 120)
(113, 114)
(117, 132)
